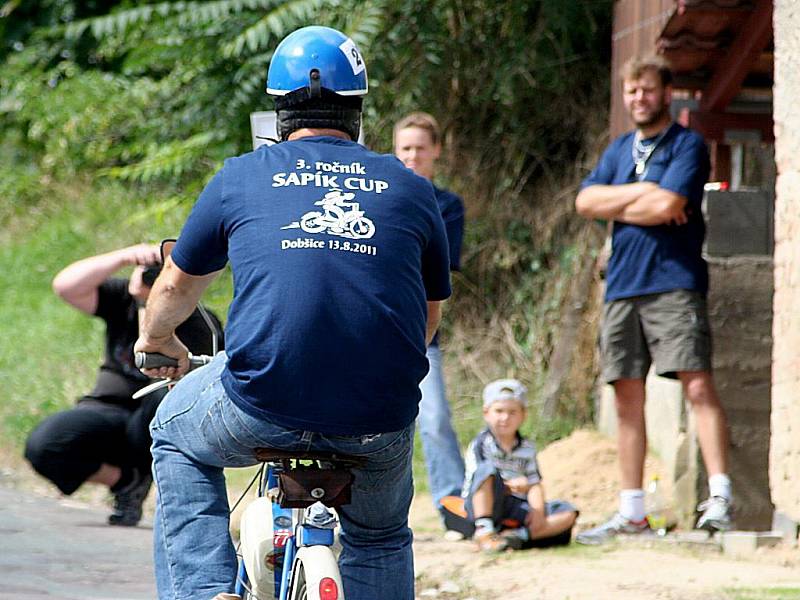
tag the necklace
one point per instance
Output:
(641, 152)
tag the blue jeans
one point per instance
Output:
(439, 443)
(198, 431)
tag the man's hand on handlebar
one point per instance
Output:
(171, 347)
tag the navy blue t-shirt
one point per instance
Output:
(452, 209)
(334, 251)
(660, 258)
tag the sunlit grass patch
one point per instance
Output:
(776, 593)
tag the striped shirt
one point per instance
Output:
(520, 462)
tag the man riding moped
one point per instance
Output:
(325, 348)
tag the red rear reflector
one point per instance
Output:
(328, 590)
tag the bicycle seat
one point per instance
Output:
(328, 480)
(284, 456)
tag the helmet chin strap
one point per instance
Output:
(315, 84)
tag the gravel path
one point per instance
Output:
(58, 549)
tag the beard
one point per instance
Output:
(652, 118)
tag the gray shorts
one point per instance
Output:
(670, 329)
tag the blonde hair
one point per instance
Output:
(635, 66)
(421, 120)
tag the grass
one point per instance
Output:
(781, 593)
(449, 587)
(50, 351)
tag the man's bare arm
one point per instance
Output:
(77, 283)
(434, 317)
(658, 207)
(607, 201)
(173, 298)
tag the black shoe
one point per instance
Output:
(129, 500)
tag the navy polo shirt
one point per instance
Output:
(334, 251)
(660, 258)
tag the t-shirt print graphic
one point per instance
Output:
(339, 216)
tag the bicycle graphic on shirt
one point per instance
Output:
(339, 216)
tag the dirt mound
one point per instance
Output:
(583, 469)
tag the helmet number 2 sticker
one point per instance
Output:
(349, 49)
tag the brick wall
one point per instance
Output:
(785, 443)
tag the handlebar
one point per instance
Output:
(154, 360)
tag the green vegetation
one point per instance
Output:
(781, 593)
(114, 114)
(50, 351)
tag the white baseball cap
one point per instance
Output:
(505, 389)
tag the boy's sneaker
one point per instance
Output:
(128, 501)
(491, 543)
(610, 529)
(513, 539)
(716, 514)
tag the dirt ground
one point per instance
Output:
(581, 469)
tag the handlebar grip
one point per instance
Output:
(154, 360)
(198, 360)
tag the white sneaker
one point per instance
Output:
(451, 535)
(716, 514)
(611, 529)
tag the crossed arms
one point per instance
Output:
(640, 203)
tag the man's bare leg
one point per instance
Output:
(631, 432)
(712, 434)
(712, 425)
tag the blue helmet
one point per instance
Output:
(338, 64)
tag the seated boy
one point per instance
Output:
(503, 486)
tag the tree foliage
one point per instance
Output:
(109, 84)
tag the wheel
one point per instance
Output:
(299, 589)
(362, 227)
(310, 222)
(315, 575)
(249, 596)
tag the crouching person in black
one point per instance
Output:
(105, 439)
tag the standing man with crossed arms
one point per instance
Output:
(649, 183)
(326, 333)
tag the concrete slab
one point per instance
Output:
(51, 549)
(741, 544)
(788, 528)
(695, 538)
